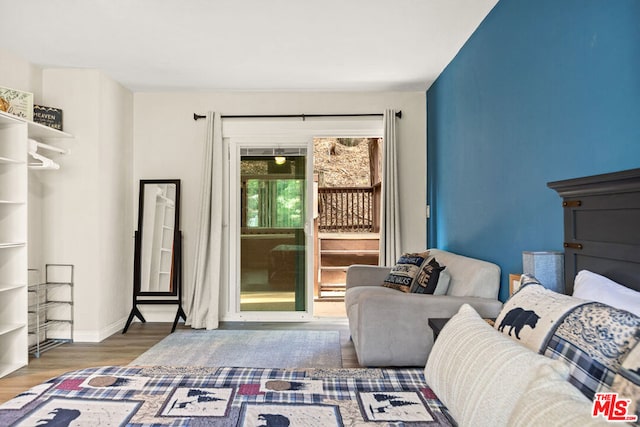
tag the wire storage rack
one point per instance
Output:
(51, 309)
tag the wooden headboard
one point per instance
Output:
(602, 226)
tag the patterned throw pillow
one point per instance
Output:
(405, 271)
(427, 279)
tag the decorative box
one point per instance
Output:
(16, 102)
(48, 116)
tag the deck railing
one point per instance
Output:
(346, 209)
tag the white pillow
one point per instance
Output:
(551, 401)
(594, 287)
(443, 283)
(477, 372)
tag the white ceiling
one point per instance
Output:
(246, 45)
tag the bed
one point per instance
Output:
(557, 358)
(602, 234)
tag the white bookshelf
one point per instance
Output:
(14, 133)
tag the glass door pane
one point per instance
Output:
(272, 238)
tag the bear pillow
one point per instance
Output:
(531, 313)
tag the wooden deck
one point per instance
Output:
(335, 252)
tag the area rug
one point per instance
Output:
(240, 397)
(246, 348)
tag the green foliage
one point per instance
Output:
(275, 203)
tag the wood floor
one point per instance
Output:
(121, 349)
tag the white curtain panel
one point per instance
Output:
(389, 216)
(204, 294)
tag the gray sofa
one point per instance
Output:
(390, 328)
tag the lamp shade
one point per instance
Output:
(547, 267)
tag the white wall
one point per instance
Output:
(87, 204)
(116, 202)
(20, 74)
(168, 144)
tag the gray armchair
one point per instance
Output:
(390, 327)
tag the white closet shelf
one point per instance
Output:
(4, 287)
(36, 130)
(10, 161)
(6, 118)
(12, 245)
(15, 133)
(6, 328)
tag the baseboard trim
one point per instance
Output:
(100, 335)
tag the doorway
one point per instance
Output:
(348, 176)
(272, 199)
(272, 216)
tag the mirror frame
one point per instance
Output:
(175, 264)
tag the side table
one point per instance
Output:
(437, 323)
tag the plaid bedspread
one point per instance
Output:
(256, 397)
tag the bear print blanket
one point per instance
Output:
(257, 397)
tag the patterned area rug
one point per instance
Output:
(249, 349)
(166, 396)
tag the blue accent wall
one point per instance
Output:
(544, 90)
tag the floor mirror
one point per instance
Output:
(157, 266)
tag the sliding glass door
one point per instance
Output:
(272, 213)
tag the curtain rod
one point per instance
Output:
(300, 116)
